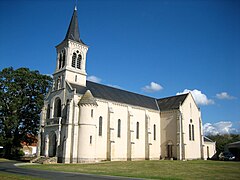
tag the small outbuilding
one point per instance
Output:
(209, 148)
(234, 148)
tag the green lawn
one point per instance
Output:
(3, 160)
(154, 169)
(7, 176)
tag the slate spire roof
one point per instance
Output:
(88, 98)
(73, 29)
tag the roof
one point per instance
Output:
(88, 98)
(206, 139)
(171, 103)
(234, 145)
(30, 141)
(73, 30)
(117, 95)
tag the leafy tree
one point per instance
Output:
(21, 98)
(223, 140)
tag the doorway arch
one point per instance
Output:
(170, 149)
(52, 144)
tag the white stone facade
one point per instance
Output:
(78, 139)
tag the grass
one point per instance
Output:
(154, 169)
(7, 176)
(3, 160)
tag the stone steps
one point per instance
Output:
(44, 160)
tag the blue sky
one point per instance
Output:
(153, 47)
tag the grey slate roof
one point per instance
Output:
(122, 96)
(170, 103)
(117, 95)
(73, 30)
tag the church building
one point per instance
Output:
(83, 121)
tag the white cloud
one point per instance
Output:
(199, 97)
(209, 129)
(224, 95)
(222, 127)
(94, 79)
(153, 87)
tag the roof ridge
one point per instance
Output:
(173, 96)
(123, 90)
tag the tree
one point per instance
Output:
(223, 140)
(21, 98)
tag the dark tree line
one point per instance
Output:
(223, 140)
(21, 99)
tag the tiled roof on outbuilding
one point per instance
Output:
(234, 145)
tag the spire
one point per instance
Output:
(73, 30)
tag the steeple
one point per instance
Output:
(73, 30)
(71, 57)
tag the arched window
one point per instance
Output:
(60, 61)
(79, 61)
(100, 126)
(91, 112)
(90, 140)
(74, 60)
(119, 128)
(190, 132)
(154, 132)
(137, 130)
(57, 108)
(48, 111)
(63, 58)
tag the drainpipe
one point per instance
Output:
(180, 132)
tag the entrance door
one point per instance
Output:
(42, 149)
(53, 145)
(169, 151)
(207, 152)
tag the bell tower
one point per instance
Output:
(71, 57)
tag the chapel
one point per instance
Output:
(83, 121)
